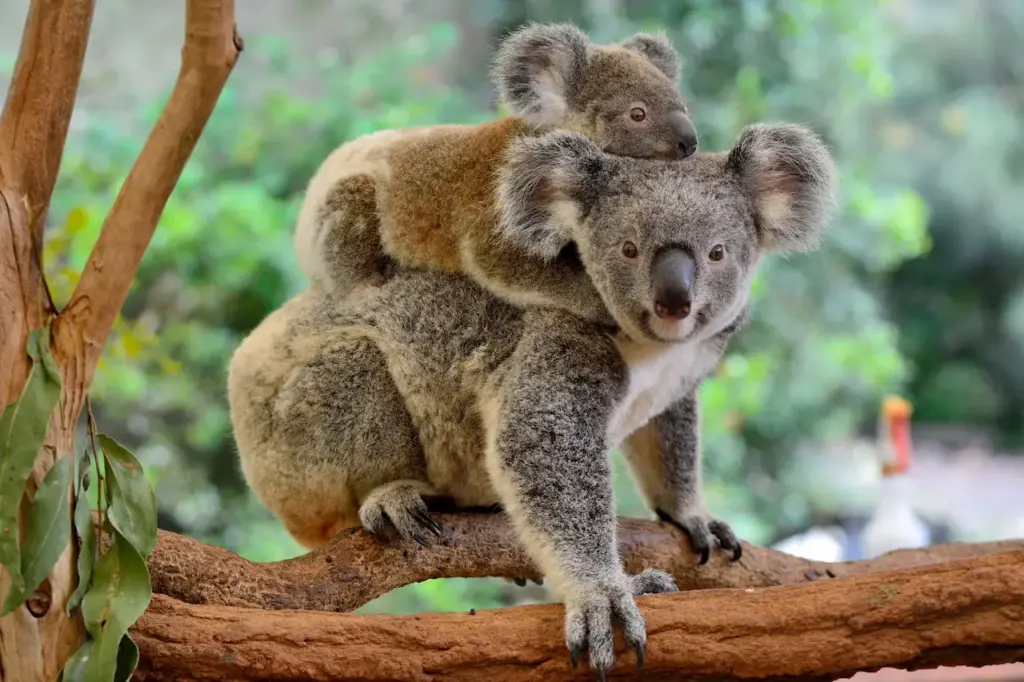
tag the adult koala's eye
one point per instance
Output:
(717, 252)
(629, 250)
(637, 114)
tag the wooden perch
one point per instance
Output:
(357, 568)
(963, 612)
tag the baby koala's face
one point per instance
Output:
(630, 108)
(623, 96)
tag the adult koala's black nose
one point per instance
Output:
(672, 274)
(685, 133)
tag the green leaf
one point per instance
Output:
(48, 528)
(86, 532)
(118, 595)
(74, 668)
(127, 659)
(132, 502)
(22, 430)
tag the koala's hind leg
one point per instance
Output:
(666, 459)
(354, 439)
(546, 453)
(348, 245)
(399, 504)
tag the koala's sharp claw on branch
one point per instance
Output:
(349, 412)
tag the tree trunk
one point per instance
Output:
(37, 638)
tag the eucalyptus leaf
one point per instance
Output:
(22, 430)
(49, 525)
(74, 668)
(132, 502)
(118, 595)
(127, 659)
(87, 532)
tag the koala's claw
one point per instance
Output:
(521, 582)
(588, 618)
(423, 516)
(704, 531)
(398, 506)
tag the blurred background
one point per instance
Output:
(919, 291)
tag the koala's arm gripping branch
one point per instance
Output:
(965, 612)
(357, 568)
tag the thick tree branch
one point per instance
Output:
(357, 567)
(33, 127)
(37, 111)
(964, 612)
(211, 48)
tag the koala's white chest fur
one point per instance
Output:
(658, 376)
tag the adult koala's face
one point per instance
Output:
(670, 246)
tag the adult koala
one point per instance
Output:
(349, 414)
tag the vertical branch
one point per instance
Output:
(211, 48)
(42, 95)
(33, 126)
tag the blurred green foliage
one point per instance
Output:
(917, 116)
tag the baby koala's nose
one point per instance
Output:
(672, 274)
(685, 133)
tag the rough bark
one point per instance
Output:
(962, 612)
(33, 128)
(357, 568)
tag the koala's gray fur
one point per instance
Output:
(351, 413)
(424, 197)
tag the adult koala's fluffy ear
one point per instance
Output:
(659, 51)
(790, 176)
(546, 186)
(538, 68)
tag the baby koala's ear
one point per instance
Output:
(790, 176)
(659, 51)
(537, 70)
(546, 187)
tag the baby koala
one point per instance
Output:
(424, 197)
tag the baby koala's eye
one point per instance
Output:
(629, 250)
(717, 252)
(637, 114)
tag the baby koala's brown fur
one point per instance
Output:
(424, 197)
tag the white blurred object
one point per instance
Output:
(893, 524)
(821, 543)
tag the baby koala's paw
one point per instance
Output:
(399, 506)
(704, 530)
(591, 608)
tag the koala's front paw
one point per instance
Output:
(589, 611)
(399, 506)
(703, 530)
